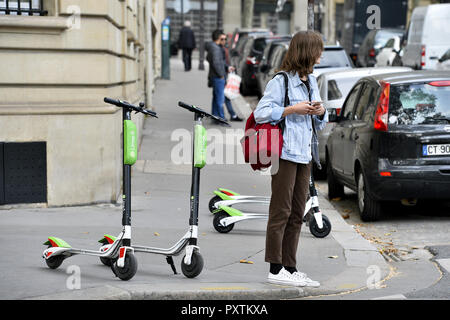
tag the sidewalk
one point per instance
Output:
(160, 213)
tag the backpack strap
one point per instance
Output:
(286, 96)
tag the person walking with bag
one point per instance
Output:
(290, 183)
(217, 73)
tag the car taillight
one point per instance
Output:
(251, 61)
(445, 83)
(338, 111)
(372, 53)
(422, 58)
(381, 115)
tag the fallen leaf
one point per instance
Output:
(246, 261)
(346, 216)
(156, 234)
(347, 210)
(387, 234)
(336, 199)
(333, 257)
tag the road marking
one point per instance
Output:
(445, 263)
(393, 297)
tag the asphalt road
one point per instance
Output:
(413, 239)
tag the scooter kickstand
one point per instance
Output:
(169, 260)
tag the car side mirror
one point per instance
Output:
(332, 115)
(264, 68)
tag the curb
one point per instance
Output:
(147, 292)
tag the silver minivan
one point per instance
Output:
(428, 36)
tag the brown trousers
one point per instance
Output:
(287, 205)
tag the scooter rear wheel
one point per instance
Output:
(316, 231)
(195, 268)
(212, 202)
(216, 222)
(129, 269)
(54, 262)
(106, 261)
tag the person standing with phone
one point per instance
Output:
(290, 183)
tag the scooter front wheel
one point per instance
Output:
(129, 269)
(218, 216)
(195, 268)
(320, 232)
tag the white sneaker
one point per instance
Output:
(283, 277)
(304, 280)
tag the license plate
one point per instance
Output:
(436, 149)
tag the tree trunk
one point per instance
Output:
(311, 14)
(248, 13)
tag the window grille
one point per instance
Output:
(22, 7)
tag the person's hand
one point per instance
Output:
(318, 108)
(302, 108)
(231, 69)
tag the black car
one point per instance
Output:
(374, 41)
(238, 41)
(272, 58)
(251, 58)
(391, 140)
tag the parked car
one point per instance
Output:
(357, 21)
(270, 67)
(428, 36)
(372, 44)
(265, 65)
(334, 87)
(242, 33)
(389, 53)
(251, 58)
(444, 61)
(334, 57)
(392, 140)
(238, 40)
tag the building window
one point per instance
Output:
(22, 7)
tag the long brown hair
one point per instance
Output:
(304, 50)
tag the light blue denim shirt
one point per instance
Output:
(298, 128)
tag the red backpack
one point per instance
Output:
(264, 142)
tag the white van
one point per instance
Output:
(428, 36)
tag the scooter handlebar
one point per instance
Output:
(125, 104)
(201, 111)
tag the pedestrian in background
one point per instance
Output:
(218, 69)
(186, 42)
(233, 115)
(290, 183)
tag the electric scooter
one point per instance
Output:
(192, 262)
(119, 253)
(225, 216)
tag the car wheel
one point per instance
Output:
(369, 209)
(335, 189)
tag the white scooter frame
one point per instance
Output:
(225, 216)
